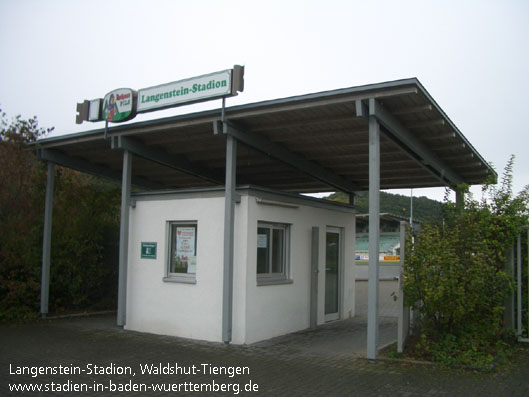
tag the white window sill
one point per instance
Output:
(273, 281)
(180, 279)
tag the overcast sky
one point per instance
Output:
(471, 56)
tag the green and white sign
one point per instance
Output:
(118, 105)
(148, 250)
(195, 89)
(123, 104)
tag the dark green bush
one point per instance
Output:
(456, 275)
(84, 235)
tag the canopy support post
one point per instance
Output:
(46, 241)
(124, 238)
(229, 215)
(374, 237)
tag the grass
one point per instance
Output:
(504, 356)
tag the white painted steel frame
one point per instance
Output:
(376, 114)
(124, 238)
(374, 236)
(229, 214)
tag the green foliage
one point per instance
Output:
(84, 235)
(456, 275)
(424, 209)
(85, 231)
(21, 208)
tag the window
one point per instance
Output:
(273, 253)
(182, 256)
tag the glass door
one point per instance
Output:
(332, 273)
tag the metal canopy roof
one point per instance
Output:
(310, 143)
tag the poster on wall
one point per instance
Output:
(185, 247)
(262, 240)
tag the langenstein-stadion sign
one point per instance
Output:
(123, 104)
(210, 86)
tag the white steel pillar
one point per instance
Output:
(124, 238)
(374, 237)
(229, 215)
(46, 241)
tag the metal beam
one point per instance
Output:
(374, 237)
(179, 162)
(400, 135)
(87, 167)
(124, 238)
(411, 110)
(229, 215)
(427, 123)
(460, 198)
(46, 241)
(279, 152)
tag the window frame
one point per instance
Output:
(271, 278)
(188, 278)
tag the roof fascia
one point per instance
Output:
(452, 125)
(338, 95)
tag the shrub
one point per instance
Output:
(456, 276)
(84, 235)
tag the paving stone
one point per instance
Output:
(299, 364)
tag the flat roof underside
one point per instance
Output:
(322, 129)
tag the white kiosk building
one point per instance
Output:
(217, 244)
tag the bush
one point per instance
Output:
(456, 276)
(84, 235)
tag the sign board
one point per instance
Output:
(391, 257)
(94, 110)
(118, 105)
(123, 104)
(148, 250)
(262, 240)
(195, 89)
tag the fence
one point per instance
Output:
(521, 292)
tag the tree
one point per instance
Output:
(21, 207)
(84, 235)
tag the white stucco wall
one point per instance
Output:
(169, 308)
(273, 310)
(259, 312)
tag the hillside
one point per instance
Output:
(424, 209)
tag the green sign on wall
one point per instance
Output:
(148, 250)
